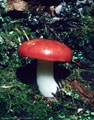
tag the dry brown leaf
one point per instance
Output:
(18, 5)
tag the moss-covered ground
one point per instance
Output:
(20, 98)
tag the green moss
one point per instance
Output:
(17, 96)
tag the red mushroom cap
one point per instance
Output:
(44, 49)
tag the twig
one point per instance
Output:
(62, 20)
(55, 34)
(4, 86)
(86, 96)
(25, 34)
(81, 64)
(19, 41)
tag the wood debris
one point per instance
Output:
(86, 96)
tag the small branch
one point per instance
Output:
(4, 86)
(62, 20)
(19, 41)
(85, 96)
(81, 64)
(55, 33)
(25, 34)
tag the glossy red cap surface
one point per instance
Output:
(44, 49)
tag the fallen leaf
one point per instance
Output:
(18, 5)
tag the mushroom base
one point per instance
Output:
(45, 78)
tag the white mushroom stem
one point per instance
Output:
(45, 78)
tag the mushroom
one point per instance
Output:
(46, 52)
